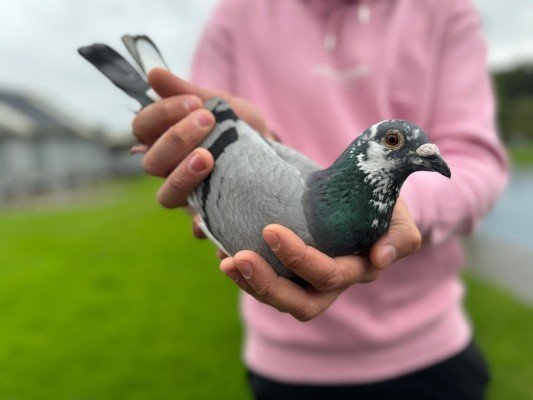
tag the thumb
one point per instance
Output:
(167, 84)
(402, 239)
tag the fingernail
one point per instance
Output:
(203, 119)
(233, 275)
(272, 239)
(192, 103)
(138, 148)
(197, 163)
(245, 268)
(388, 255)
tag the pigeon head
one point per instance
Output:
(350, 204)
(399, 147)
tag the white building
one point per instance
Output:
(43, 150)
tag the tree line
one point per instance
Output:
(514, 88)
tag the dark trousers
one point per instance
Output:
(462, 377)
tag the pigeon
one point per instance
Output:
(340, 210)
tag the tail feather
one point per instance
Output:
(119, 71)
(144, 51)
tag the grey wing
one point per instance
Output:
(250, 187)
(295, 158)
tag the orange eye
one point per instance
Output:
(394, 139)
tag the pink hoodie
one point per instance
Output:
(321, 72)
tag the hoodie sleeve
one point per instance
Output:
(463, 126)
(212, 64)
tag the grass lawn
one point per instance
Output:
(522, 155)
(504, 330)
(112, 298)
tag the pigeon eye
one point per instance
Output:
(394, 139)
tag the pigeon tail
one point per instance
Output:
(119, 71)
(145, 53)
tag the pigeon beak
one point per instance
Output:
(438, 164)
(432, 160)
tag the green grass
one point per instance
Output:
(112, 298)
(522, 155)
(113, 302)
(504, 330)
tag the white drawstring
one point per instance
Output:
(363, 13)
(330, 42)
(333, 23)
(334, 20)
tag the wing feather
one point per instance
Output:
(250, 187)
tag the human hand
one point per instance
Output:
(170, 130)
(328, 277)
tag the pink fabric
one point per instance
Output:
(418, 60)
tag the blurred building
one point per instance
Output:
(44, 150)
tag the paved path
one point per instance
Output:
(506, 264)
(502, 250)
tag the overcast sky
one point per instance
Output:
(39, 38)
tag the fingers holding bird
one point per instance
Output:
(173, 156)
(167, 84)
(152, 121)
(328, 276)
(324, 273)
(256, 277)
(185, 177)
(402, 239)
(177, 142)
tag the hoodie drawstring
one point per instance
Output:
(334, 20)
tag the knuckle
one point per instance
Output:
(295, 260)
(265, 292)
(140, 123)
(415, 240)
(194, 100)
(171, 201)
(179, 136)
(306, 312)
(330, 280)
(169, 106)
(176, 183)
(370, 276)
(164, 201)
(151, 166)
(136, 126)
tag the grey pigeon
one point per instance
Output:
(339, 210)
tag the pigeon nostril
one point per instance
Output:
(428, 150)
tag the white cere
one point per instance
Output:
(428, 150)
